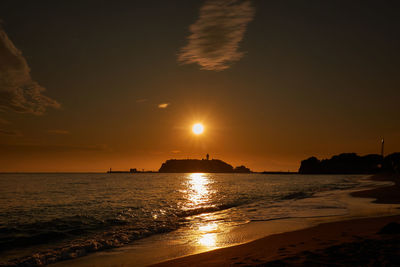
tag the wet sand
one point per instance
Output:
(382, 195)
(358, 242)
(354, 242)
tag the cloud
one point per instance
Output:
(18, 92)
(58, 131)
(141, 100)
(175, 151)
(10, 133)
(215, 36)
(163, 105)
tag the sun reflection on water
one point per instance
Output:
(208, 235)
(208, 240)
(208, 227)
(198, 194)
(197, 190)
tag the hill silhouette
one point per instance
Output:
(197, 165)
(351, 163)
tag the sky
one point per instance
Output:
(89, 85)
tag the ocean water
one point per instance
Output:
(46, 218)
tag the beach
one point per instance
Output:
(200, 218)
(358, 242)
(351, 243)
(351, 238)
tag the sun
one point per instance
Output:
(198, 128)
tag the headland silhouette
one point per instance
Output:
(351, 163)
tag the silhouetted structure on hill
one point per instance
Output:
(391, 163)
(197, 165)
(346, 163)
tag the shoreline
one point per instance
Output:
(162, 250)
(345, 242)
(382, 195)
(316, 245)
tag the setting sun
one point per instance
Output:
(198, 128)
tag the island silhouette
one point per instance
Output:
(206, 165)
(200, 165)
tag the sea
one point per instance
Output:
(50, 217)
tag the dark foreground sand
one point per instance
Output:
(360, 242)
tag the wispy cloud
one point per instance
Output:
(57, 131)
(163, 105)
(215, 36)
(10, 132)
(18, 92)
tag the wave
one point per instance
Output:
(198, 211)
(80, 235)
(297, 195)
(71, 248)
(75, 236)
(43, 232)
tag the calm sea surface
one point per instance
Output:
(46, 218)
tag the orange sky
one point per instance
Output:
(273, 85)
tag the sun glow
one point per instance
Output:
(198, 128)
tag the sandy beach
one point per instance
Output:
(358, 242)
(354, 242)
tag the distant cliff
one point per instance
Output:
(196, 165)
(351, 163)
